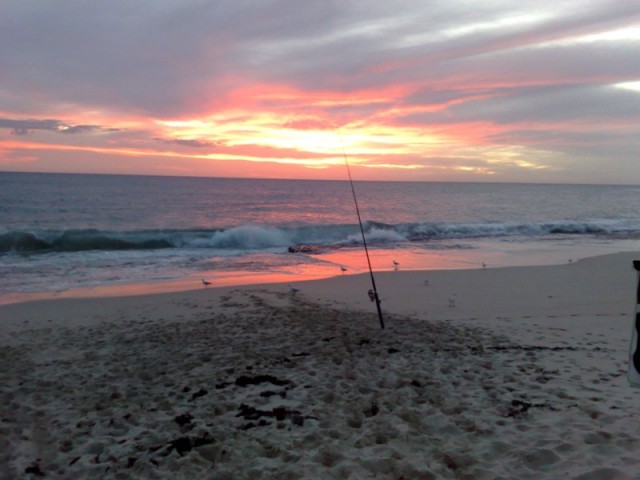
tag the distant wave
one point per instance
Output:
(255, 237)
(78, 240)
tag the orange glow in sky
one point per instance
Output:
(536, 93)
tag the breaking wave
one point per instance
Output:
(255, 237)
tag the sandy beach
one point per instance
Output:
(523, 376)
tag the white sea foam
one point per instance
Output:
(249, 237)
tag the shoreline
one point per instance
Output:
(410, 261)
(350, 291)
(524, 377)
(590, 286)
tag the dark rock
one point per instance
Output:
(182, 445)
(245, 380)
(250, 425)
(373, 410)
(521, 407)
(251, 413)
(183, 419)
(185, 444)
(203, 440)
(271, 393)
(34, 469)
(280, 413)
(200, 393)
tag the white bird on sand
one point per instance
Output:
(205, 283)
(452, 299)
(293, 290)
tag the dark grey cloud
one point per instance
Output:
(605, 145)
(155, 57)
(24, 127)
(553, 104)
(169, 58)
(186, 142)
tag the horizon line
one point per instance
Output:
(222, 177)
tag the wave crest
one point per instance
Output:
(255, 237)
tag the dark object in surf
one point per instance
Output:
(302, 249)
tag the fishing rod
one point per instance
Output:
(376, 298)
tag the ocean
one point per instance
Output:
(77, 234)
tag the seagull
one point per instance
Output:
(293, 290)
(205, 283)
(343, 269)
(452, 300)
(426, 283)
(484, 265)
(570, 261)
(395, 264)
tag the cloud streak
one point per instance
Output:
(25, 127)
(457, 90)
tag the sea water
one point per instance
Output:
(68, 232)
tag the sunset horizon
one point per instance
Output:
(544, 93)
(314, 179)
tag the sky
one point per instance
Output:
(452, 90)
